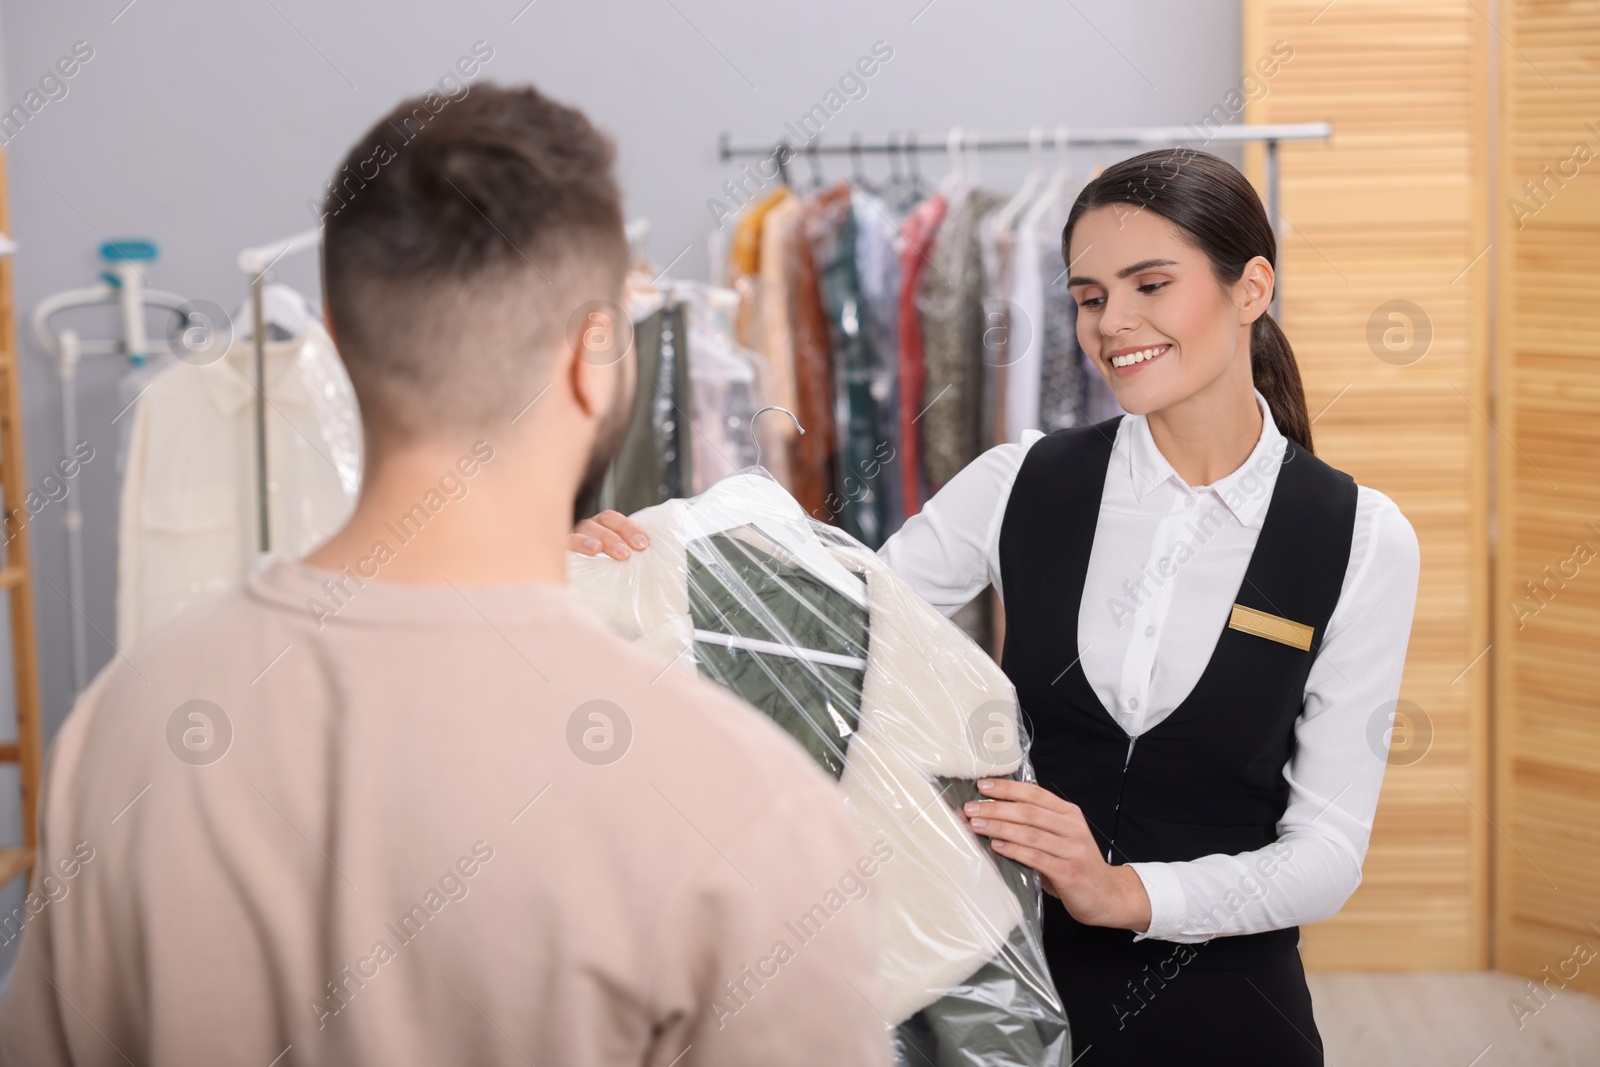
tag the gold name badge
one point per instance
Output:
(1272, 627)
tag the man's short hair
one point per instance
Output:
(455, 253)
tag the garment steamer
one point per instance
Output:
(122, 283)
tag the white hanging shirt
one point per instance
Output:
(1167, 562)
(188, 526)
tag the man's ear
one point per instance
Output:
(592, 365)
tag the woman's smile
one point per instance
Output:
(1126, 361)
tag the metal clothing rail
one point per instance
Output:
(255, 262)
(783, 150)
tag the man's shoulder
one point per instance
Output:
(214, 619)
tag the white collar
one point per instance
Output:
(1244, 492)
(230, 381)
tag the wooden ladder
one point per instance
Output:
(15, 578)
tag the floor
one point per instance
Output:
(1451, 1019)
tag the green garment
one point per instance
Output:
(862, 425)
(967, 1027)
(996, 1017)
(736, 589)
(652, 464)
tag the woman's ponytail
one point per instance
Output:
(1277, 376)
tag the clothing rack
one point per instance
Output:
(255, 262)
(958, 140)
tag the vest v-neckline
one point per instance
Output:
(1205, 680)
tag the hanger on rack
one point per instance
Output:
(899, 190)
(1061, 181)
(782, 156)
(952, 147)
(286, 310)
(1270, 135)
(918, 183)
(814, 164)
(858, 169)
(1006, 218)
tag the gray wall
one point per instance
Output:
(206, 126)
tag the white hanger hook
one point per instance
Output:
(952, 145)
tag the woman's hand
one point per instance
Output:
(1033, 826)
(610, 531)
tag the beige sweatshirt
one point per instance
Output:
(306, 824)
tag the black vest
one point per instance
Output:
(1209, 777)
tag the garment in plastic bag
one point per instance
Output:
(723, 384)
(653, 462)
(188, 523)
(130, 390)
(862, 376)
(878, 226)
(890, 698)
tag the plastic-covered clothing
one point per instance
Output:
(953, 326)
(1063, 387)
(812, 461)
(189, 521)
(951, 302)
(653, 463)
(862, 447)
(1059, 376)
(918, 233)
(723, 393)
(886, 694)
(878, 266)
(757, 271)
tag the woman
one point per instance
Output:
(1206, 627)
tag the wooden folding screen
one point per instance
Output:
(1385, 299)
(1547, 611)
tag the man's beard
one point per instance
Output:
(607, 443)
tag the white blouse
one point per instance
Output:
(1167, 561)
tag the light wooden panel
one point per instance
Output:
(15, 576)
(1548, 647)
(1393, 208)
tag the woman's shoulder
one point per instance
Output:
(998, 464)
(1381, 528)
(979, 492)
(1383, 533)
(1012, 453)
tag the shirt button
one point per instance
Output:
(1149, 631)
(1133, 703)
(1188, 501)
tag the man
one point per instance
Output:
(406, 801)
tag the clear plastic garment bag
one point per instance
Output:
(897, 704)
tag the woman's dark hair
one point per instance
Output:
(1217, 209)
